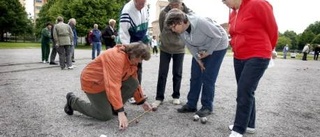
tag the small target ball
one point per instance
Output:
(196, 118)
(204, 120)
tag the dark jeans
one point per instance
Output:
(99, 106)
(53, 53)
(248, 73)
(204, 80)
(45, 50)
(304, 57)
(163, 73)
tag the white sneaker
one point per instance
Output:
(132, 101)
(156, 103)
(44, 62)
(71, 67)
(235, 134)
(176, 101)
(249, 130)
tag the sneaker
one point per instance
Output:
(67, 108)
(44, 62)
(235, 134)
(71, 67)
(132, 101)
(248, 130)
(186, 109)
(156, 103)
(53, 63)
(176, 101)
(203, 112)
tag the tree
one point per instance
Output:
(86, 12)
(304, 38)
(282, 41)
(293, 37)
(314, 28)
(316, 40)
(13, 18)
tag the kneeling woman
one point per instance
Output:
(109, 81)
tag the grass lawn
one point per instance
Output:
(18, 45)
(21, 45)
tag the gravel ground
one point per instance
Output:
(32, 97)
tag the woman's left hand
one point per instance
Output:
(146, 106)
(202, 55)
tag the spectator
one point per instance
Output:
(63, 38)
(45, 42)
(154, 45)
(305, 52)
(316, 52)
(285, 51)
(109, 34)
(72, 23)
(95, 41)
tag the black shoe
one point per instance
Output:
(203, 112)
(53, 63)
(67, 108)
(186, 109)
(73, 61)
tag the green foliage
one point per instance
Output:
(305, 37)
(86, 13)
(293, 37)
(13, 18)
(316, 40)
(314, 28)
(282, 41)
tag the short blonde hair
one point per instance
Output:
(112, 20)
(73, 21)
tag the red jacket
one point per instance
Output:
(106, 73)
(253, 30)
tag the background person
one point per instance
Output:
(45, 42)
(95, 41)
(63, 38)
(254, 34)
(285, 51)
(109, 34)
(72, 23)
(109, 81)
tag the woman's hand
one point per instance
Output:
(201, 65)
(146, 106)
(123, 121)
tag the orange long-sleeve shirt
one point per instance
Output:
(107, 72)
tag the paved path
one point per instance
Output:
(32, 96)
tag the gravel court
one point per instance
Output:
(33, 95)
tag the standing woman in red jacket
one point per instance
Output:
(254, 34)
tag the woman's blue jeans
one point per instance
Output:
(248, 73)
(204, 80)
